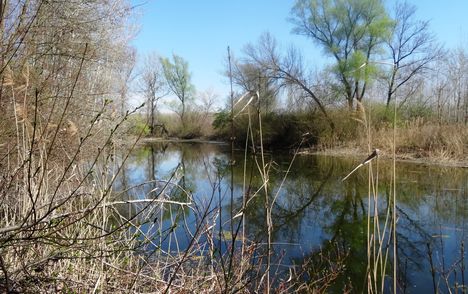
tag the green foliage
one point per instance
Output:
(178, 80)
(137, 125)
(221, 120)
(349, 31)
(178, 76)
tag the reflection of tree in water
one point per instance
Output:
(303, 196)
(299, 197)
(345, 224)
(157, 162)
(343, 212)
(427, 197)
(417, 237)
(150, 185)
(431, 240)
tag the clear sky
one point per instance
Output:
(201, 30)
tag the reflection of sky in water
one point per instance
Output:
(314, 206)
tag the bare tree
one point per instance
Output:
(457, 71)
(208, 100)
(250, 78)
(58, 80)
(125, 77)
(287, 71)
(154, 86)
(412, 49)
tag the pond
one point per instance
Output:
(319, 221)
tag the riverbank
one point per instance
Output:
(178, 140)
(414, 157)
(401, 157)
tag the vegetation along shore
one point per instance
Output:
(95, 199)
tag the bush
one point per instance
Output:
(418, 133)
(221, 120)
(279, 130)
(196, 125)
(137, 124)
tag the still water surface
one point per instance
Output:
(315, 211)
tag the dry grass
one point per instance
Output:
(62, 231)
(197, 125)
(420, 140)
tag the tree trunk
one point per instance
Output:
(152, 119)
(182, 115)
(390, 87)
(350, 103)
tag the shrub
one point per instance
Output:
(137, 124)
(196, 125)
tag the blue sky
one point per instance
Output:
(200, 31)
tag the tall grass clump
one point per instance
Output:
(381, 215)
(420, 135)
(59, 123)
(423, 139)
(58, 175)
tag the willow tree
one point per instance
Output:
(350, 31)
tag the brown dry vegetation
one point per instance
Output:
(422, 139)
(417, 137)
(63, 83)
(64, 73)
(441, 143)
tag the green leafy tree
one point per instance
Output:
(350, 31)
(178, 79)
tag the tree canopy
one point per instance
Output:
(178, 80)
(350, 31)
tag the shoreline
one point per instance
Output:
(178, 140)
(339, 152)
(406, 157)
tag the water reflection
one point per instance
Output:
(316, 215)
